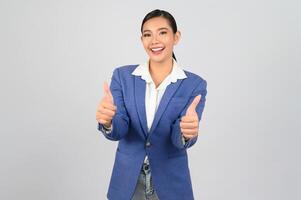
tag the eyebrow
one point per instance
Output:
(163, 28)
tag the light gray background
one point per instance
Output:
(55, 56)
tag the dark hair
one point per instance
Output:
(162, 13)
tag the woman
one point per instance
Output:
(153, 110)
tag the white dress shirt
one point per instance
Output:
(153, 95)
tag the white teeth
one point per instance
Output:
(157, 49)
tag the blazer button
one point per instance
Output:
(148, 144)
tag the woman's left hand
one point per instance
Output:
(190, 121)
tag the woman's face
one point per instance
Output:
(158, 39)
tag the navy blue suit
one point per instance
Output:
(163, 143)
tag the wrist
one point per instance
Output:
(108, 125)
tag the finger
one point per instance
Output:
(104, 117)
(103, 121)
(193, 105)
(189, 125)
(189, 118)
(108, 105)
(99, 117)
(189, 131)
(108, 91)
(107, 112)
(189, 136)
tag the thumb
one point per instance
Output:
(193, 105)
(107, 90)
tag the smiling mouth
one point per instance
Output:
(157, 51)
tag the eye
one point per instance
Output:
(146, 35)
(163, 32)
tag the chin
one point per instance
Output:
(157, 58)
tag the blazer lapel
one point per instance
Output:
(170, 90)
(140, 86)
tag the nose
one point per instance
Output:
(154, 39)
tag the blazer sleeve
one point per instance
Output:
(176, 135)
(120, 121)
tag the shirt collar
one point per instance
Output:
(176, 73)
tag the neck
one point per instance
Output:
(160, 69)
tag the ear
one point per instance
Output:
(177, 37)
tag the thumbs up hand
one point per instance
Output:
(190, 122)
(106, 109)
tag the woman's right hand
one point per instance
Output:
(106, 109)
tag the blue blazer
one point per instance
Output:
(163, 143)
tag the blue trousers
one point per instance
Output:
(144, 189)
